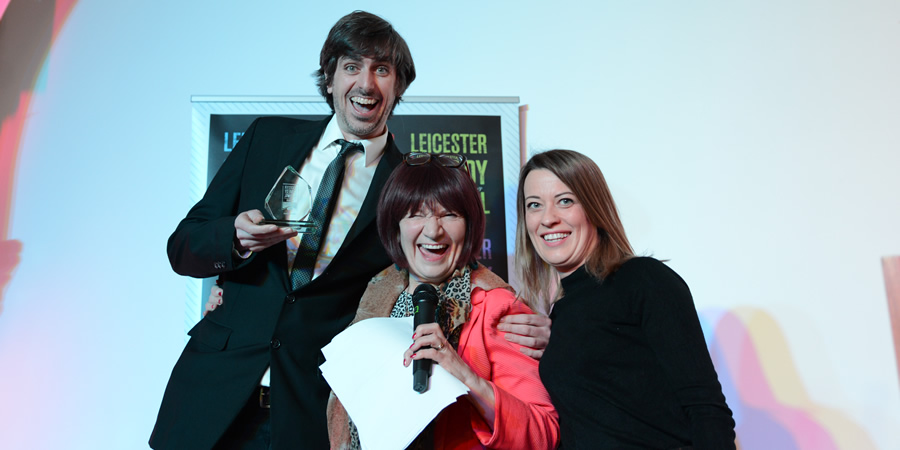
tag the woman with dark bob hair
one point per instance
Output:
(627, 364)
(431, 221)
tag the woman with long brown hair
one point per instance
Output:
(627, 365)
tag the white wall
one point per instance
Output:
(754, 144)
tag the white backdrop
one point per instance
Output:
(754, 144)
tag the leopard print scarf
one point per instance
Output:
(454, 304)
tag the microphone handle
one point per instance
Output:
(421, 374)
(425, 302)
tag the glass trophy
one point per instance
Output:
(289, 202)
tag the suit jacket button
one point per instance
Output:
(275, 343)
(290, 299)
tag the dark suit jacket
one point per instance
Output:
(262, 322)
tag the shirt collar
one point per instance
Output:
(374, 147)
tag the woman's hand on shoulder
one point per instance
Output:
(214, 300)
(530, 331)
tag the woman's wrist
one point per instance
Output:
(481, 394)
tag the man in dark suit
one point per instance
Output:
(249, 377)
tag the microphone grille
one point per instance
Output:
(425, 292)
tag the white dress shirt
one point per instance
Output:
(360, 169)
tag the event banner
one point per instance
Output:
(440, 125)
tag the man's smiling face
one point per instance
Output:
(364, 92)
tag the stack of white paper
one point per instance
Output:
(364, 367)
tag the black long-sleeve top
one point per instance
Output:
(627, 365)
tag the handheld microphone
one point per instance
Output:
(424, 303)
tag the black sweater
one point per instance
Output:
(627, 364)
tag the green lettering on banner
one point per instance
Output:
(477, 167)
(455, 140)
(466, 143)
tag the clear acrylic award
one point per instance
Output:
(289, 202)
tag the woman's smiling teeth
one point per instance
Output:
(434, 248)
(553, 237)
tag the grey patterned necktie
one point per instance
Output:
(320, 214)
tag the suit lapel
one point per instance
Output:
(296, 147)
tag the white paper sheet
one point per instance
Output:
(364, 367)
